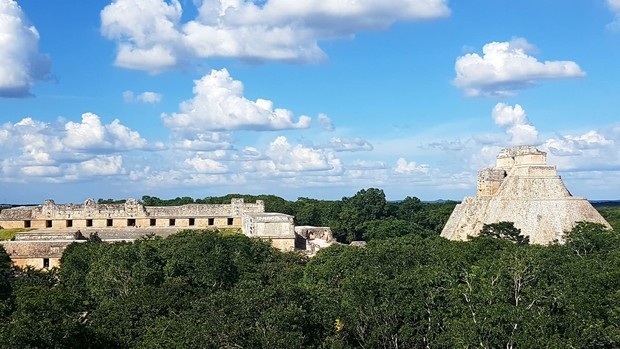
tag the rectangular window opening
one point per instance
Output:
(153, 222)
(46, 262)
(230, 221)
(131, 222)
(192, 221)
(109, 222)
(69, 223)
(211, 221)
(48, 223)
(172, 222)
(89, 222)
(26, 224)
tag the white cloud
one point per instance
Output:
(614, 6)
(144, 97)
(365, 164)
(100, 165)
(204, 141)
(452, 145)
(205, 165)
(219, 104)
(506, 67)
(353, 144)
(325, 122)
(516, 123)
(22, 64)
(405, 167)
(576, 145)
(283, 160)
(92, 134)
(146, 32)
(150, 35)
(66, 151)
(41, 171)
(297, 158)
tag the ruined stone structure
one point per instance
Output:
(312, 239)
(56, 226)
(278, 228)
(39, 249)
(522, 189)
(129, 214)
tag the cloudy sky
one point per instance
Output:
(314, 98)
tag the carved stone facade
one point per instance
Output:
(129, 214)
(56, 226)
(522, 189)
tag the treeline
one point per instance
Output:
(207, 290)
(365, 216)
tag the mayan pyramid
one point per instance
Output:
(522, 189)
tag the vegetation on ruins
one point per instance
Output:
(9, 234)
(408, 288)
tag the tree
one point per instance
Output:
(366, 205)
(504, 231)
(6, 271)
(587, 237)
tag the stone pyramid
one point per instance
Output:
(522, 189)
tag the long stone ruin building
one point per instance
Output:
(522, 189)
(55, 226)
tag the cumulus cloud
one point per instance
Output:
(100, 165)
(297, 158)
(91, 134)
(22, 64)
(206, 165)
(219, 104)
(151, 35)
(514, 120)
(506, 67)
(353, 144)
(66, 150)
(144, 97)
(284, 160)
(405, 167)
(576, 145)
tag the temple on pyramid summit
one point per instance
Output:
(522, 189)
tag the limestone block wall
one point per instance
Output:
(282, 244)
(38, 254)
(38, 263)
(521, 155)
(489, 180)
(534, 188)
(268, 225)
(129, 214)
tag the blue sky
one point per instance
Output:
(302, 98)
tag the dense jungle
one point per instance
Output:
(407, 288)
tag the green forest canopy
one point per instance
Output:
(207, 290)
(408, 288)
